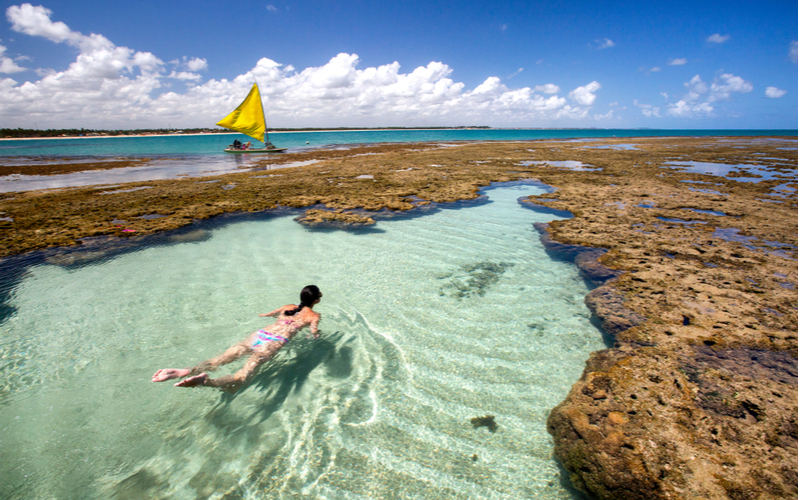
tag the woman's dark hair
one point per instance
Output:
(308, 296)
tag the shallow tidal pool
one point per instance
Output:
(427, 322)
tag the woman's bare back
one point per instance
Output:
(287, 326)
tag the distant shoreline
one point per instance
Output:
(780, 132)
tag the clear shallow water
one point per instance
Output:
(724, 169)
(426, 323)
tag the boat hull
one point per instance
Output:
(249, 151)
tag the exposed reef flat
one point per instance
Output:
(56, 166)
(697, 284)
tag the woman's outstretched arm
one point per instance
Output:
(278, 310)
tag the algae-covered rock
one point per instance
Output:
(486, 421)
(317, 217)
(609, 306)
(474, 279)
(635, 425)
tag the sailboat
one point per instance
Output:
(248, 119)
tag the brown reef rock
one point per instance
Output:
(317, 217)
(696, 277)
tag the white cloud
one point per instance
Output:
(793, 51)
(717, 38)
(696, 88)
(604, 43)
(684, 109)
(7, 65)
(548, 88)
(774, 92)
(697, 103)
(648, 110)
(585, 95)
(726, 84)
(604, 117)
(117, 87)
(98, 58)
(197, 64)
(680, 61)
(512, 75)
(272, 8)
(35, 21)
(185, 75)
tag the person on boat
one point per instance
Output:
(246, 145)
(237, 144)
(261, 345)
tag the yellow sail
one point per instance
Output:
(248, 118)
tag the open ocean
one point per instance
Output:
(213, 144)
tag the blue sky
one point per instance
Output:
(151, 64)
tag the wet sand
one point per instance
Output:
(698, 396)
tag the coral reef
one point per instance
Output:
(316, 217)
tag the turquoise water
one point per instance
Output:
(427, 322)
(296, 141)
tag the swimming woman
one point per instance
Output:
(261, 345)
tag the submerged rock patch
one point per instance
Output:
(473, 279)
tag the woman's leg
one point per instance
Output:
(231, 354)
(232, 383)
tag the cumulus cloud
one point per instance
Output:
(684, 109)
(696, 87)
(726, 84)
(99, 58)
(197, 64)
(648, 110)
(7, 65)
(774, 92)
(717, 38)
(548, 88)
(35, 21)
(185, 75)
(680, 61)
(585, 95)
(700, 96)
(108, 86)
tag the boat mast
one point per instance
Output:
(264, 116)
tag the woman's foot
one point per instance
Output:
(193, 381)
(170, 373)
